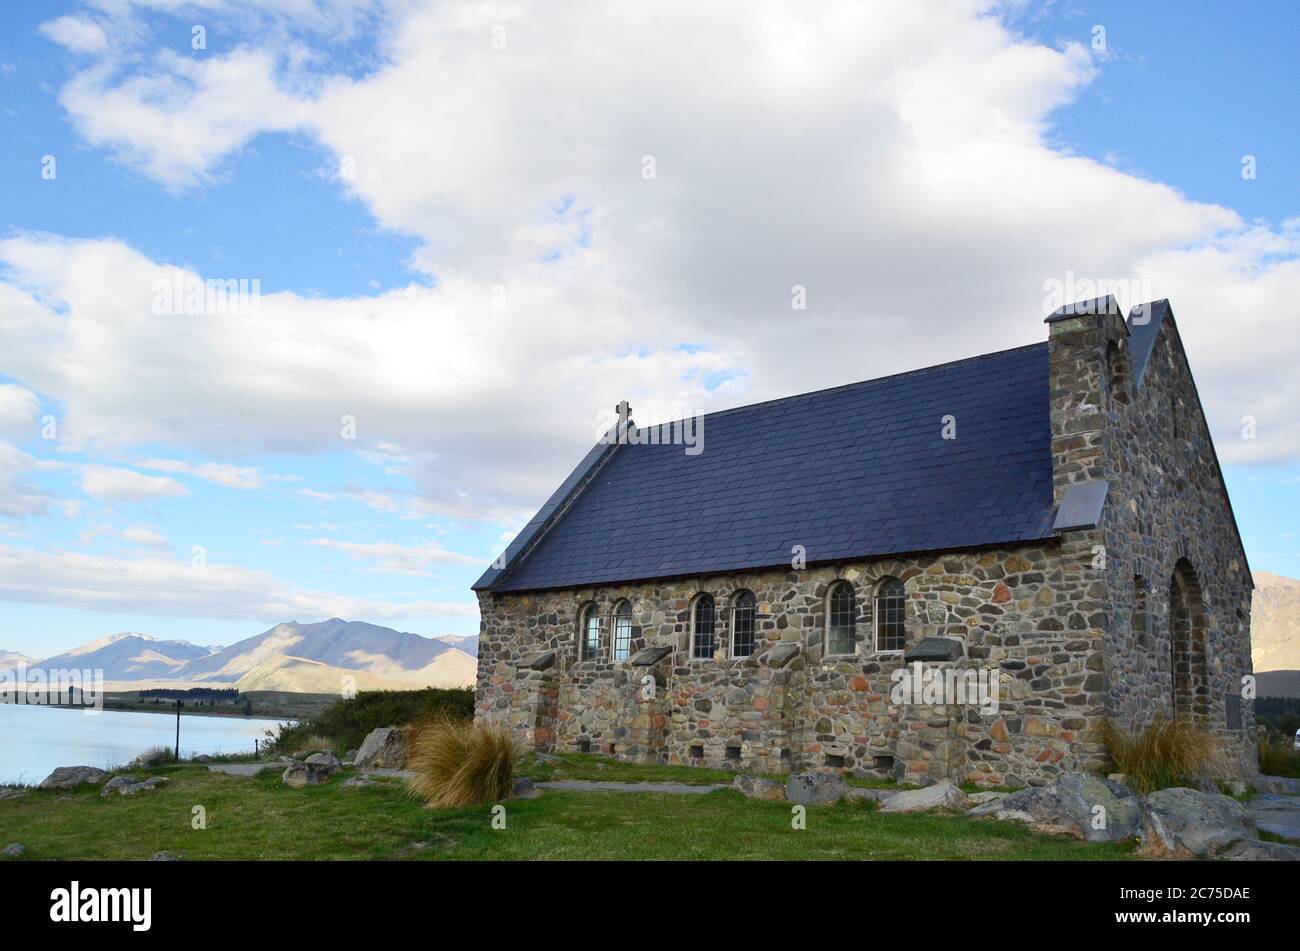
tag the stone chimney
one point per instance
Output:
(1089, 370)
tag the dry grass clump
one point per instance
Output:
(1166, 753)
(154, 756)
(459, 763)
(1278, 756)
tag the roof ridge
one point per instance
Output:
(1042, 344)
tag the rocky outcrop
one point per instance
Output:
(1258, 851)
(1078, 804)
(384, 748)
(753, 787)
(308, 774)
(942, 795)
(69, 777)
(127, 786)
(1187, 823)
(815, 789)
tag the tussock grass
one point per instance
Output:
(1166, 753)
(459, 763)
(1278, 756)
(154, 756)
(308, 743)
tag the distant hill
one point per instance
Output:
(292, 657)
(1278, 683)
(130, 657)
(9, 659)
(1275, 623)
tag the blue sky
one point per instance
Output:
(491, 174)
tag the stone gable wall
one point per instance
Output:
(1167, 505)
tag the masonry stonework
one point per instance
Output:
(1144, 616)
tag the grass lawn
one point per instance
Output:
(263, 819)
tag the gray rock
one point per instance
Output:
(68, 777)
(308, 774)
(350, 754)
(1249, 850)
(812, 789)
(1279, 785)
(114, 784)
(979, 798)
(942, 795)
(324, 759)
(357, 782)
(754, 787)
(871, 793)
(543, 758)
(384, 748)
(164, 856)
(1070, 807)
(203, 758)
(524, 789)
(1279, 815)
(13, 850)
(1182, 823)
(13, 792)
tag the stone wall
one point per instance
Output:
(1032, 612)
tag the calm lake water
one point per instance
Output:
(34, 740)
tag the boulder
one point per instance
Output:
(308, 774)
(1279, 815)
(164, 856)
(126, 786)
(324, 759)
(871, 793)
(384, 748)
(114, 784)
(813, 789)
(13, 850)
(753, 787)
(203, 758)
(942, 795)
(1183, 823)
(524, 789)
(1077, 804)
(1249, 850)
(69, 777)
(979, 798)
(357, 782)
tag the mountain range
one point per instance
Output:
(299, 658)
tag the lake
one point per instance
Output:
(35, 739)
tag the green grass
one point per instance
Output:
(346, 722)
(263, 819)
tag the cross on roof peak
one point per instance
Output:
(624, 410)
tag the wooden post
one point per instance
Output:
(178, 730)
(255, 751)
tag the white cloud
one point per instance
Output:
(891, 159)
(18, 409)
(166, 587)
(19, 498)
(114, 484)
(392, 558)
(148, 537)
(77, 34)
(232, 477)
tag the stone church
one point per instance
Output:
(1052, 517)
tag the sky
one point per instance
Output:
(465, 231)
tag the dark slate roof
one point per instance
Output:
(850, 472)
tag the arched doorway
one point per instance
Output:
(1191, 691)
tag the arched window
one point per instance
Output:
(622, 630)
(841, 619)
(594, 633)
(1187, 644)
(890, 601)
(742, 624)
(703, 621)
